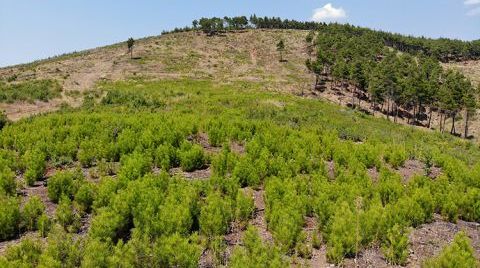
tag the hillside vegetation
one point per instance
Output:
(192, 151)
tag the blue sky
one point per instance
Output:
(34, 29)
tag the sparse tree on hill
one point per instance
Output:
(281, 49)
(195, 24)
(130, 44)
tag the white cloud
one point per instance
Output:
(329, 13)
(474, 12)
(471, 2)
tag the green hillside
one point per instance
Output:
(191, 154)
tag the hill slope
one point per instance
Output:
(216, 161)
(248, 55)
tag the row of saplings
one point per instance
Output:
(140, 209)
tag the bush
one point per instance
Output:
(176, 251)
(84, 196)
(244, 207)
(395, 248)
(96, 254)
(256, 253)
(191, 157)
(66, 216)
(107, 225)
(24, 254)
(396, 156)
(134, 166)
(9, 217)
(64, 183)
(343, 237)
(459, 254)
(8, 185)
(215, 215)
(34, 161)
(43, 224)
(32, 210)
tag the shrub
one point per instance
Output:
(64, 183)
(244, 207)
(32, 210)
(191, 157)
(134, 166)
(176, 251)
(396, 156)
(34, 161)
(165, 157)
(66, 216)
(215, 215)
(107, 225)
(459, 254)
(96, 254)
(85, 196)
(9, 217)
(256, 253)
(395, 248)
(24, 254)
(342, 235)
(7, 182)
(43, 224)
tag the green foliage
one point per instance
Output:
(24, 254)
(215, 215)
(43, 224)
(8, 185)
(66, 216)
(31, 212)
(395, 247)
(62, 250)
(64, 183)
(244, 206)
(32, 90)
(458, 254)
(256, 253)
(34, 161)
(9, 217)
(176, 251)
(134, 166)
(396, 156)
(85, 196)
(191, 157)
(342, 236)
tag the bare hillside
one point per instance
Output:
(236, 56)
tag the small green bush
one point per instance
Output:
(244, 207)
(191, 157)
(32, 210)
(9, 217)
(85, 196)
(43, 224)
(66, 216)
(396, 156)
(459, 254)
(395, 248)
(34, 161)
(8, 185)
(215, 215)
(24, 254)
(64, 183)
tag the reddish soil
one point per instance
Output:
(331, 169)
(259, 216)
(40, 189)
(411, 168)
(429, 239)
(202, 174)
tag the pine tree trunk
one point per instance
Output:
(467, 114)
(441, 121)
(430, 117)
(452, 131)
